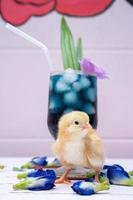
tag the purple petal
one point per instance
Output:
(87, 66)
(90, 68)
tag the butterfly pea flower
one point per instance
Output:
(88, 188)
(35, 184)
(118, 176)
(45, 161)
(89, 68)
(36, 162)
(115, 165)
(44, 182)
(39, 162)
(35, 173)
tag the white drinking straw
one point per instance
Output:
(34, 41)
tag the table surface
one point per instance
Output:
(61, 192)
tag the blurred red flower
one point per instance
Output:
(17, 12)
(82, 7)
(36, 2)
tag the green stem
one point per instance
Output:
(79, 52)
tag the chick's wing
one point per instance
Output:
(94, 150)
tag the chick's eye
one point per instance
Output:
(76, 122)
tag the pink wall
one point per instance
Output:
(108, 40)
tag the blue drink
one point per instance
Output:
(71, 91)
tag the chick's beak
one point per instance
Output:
(86, 125)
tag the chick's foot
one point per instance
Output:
(62, 180)
(97, 179)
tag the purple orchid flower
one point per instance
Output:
(90, 68)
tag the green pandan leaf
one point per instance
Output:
(79, 52)
(63, 45)
(67, 46)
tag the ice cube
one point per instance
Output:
(55, 104)
(61, 86)
(77, 86)
(70, 98)
(90, 94)
(93, 80)
(70, 76)
(89, 108)
(85, 82)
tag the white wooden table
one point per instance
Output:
(61, 192)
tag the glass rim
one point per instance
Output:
(77, 71)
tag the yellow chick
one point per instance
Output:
(78, 145)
